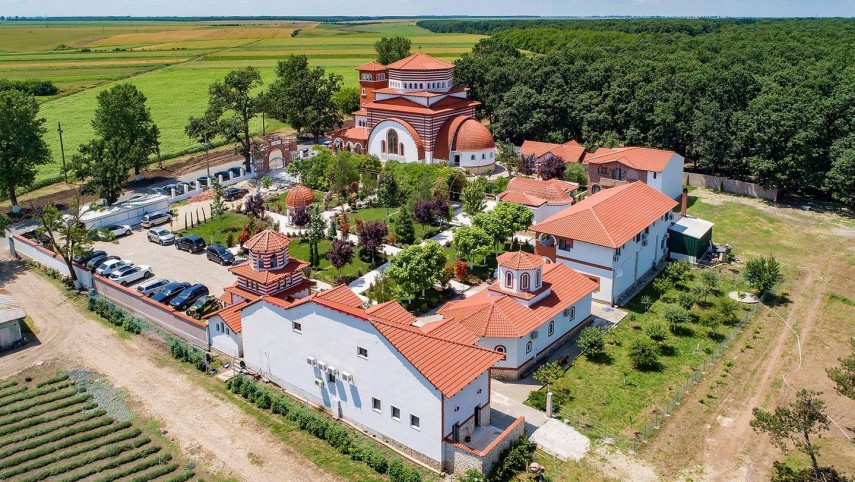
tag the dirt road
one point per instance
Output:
(212, 430)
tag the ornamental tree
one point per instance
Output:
(371, 236)
(676, 315)
(473, 243)
(389, 193)
(423, 211)
(340, 254)
(417, 268)
(254, 204)
(527, 165)
(22, 147)
(591, 341)
(473, 197)
(441, 209)
(300, 216)
(405, 232)
(763, 274)
(315, 234)
(552, 167)
(503, 221)
(644, 354)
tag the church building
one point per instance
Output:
(411, 111)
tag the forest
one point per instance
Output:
(769, 101)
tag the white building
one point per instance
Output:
(662, 170)
(11, 317)
(614, 236)
(527, 313)
(543, 198)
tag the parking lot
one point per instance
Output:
(168, 262)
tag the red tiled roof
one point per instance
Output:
(392, 311)
(244, 270)
(231, 316)
(442, 146)
(472, 136)
(535, 192)
(399, 104)
(519, 260)
(355, 134)
(361, 111)
(641, 158)
(372, 67)
(268, 242)
(420, 62)
(300, 195)
(610, 217)
(570, 151)
(500, 316)
(238, 291)
(341, 294)
(452, 330)
(420, 93)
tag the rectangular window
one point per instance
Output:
(375, 405)
(562, 244)
(361, 352)
(415, 422)
(617, 252)
(331, 378)
(654, 174)
(396, 413)
(604, 170)
(296, 326)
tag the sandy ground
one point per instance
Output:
(213, 431)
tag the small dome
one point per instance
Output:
(299, 196)
(473, 136)
(267, 242)
(519, 260)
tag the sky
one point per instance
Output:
(731, 8)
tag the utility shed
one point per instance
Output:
(689, 237)
(127, 212)
(10, 321)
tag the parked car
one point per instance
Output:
(109, 267)
(203, 181)
(96, 263)
(204, 305)
(170, 291)
(152, 286)
(183, 187)
(191, 243)
(88, 256)
(154, 219)
(217, 175)
(161, 236)
(234, 193)
(113, 230)
(235, 171)
(129, 274)
(219, 254)
(188, 297)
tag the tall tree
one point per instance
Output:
(104, 166)
(507, 156)
(22, 147)
(424, 212)
(340, 254)
(844, 376)
(347, 99)
(552, 168)
(405, 232)
(231, 107)
(389, 193)
(838, 180)
(315, 233)
(473, 243)
(392, 49)
(763, 274)
(123, 114)
(473, 197)
(305, 97)
(503, 221)
(66, 235)
(417, 268)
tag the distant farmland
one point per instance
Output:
(173, 64)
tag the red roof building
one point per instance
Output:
(543, 198)
(570, 151)
(660, 169)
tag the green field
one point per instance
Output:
(174, 63)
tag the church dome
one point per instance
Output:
(473, 136)
(267, 242)
(299, 196)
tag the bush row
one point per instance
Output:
(29, 86)
(28, 394)
(145, 464)
(112, 464)
(7, 384)
(61, 377)
(181, 476)
(13, 391)
(163, 470)
(68, 442)
(82, 449)
(34, 442)
(42, 410)
(32, 402)
(111, 451)
(115, 315)
(6, 428)
(181, 350)
(338, 436)
(83, 417)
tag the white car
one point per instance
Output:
(129, 274)
(152, 286)
(107, 268)
(115, 229)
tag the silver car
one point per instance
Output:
(152, 286)
(161, 236)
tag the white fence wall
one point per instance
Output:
(223, 182)
(730, 185)
(24, 247)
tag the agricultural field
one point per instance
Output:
(68, 426)
(174, 63)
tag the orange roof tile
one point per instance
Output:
(355, 134)
(231, 316)
(610, 217)
(399, 104)
(570, 151)
(452, 330)
(372, 67)
(300, 195)
(267, 242)
(238, 291)
(472, 136)
(341, 294)
(535, 192)
(641, 158)
(392, 311)
(442, 146)
(361, 111)
(519, 260)
(500, 316)
(244, 270)
(520, 198)
(419, 61)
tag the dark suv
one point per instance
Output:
(188, 296)
(169, 291)
(234, 193)
(219, 254)
(191, 243)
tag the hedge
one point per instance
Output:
(181, 350)
(53, 396)
(111, 451)
(112, 464)
(181, 477)
(48, 429)
(68, 442)
(54, 436)
(13, 391)
(335, 434)
(115, 316)
(67, 402)
(156, 473)
(28, 394)
(513, 459)
(7, 384)
(32, 422)
(55, 379)
(160, 460)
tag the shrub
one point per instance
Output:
(114, 448)
(35, 441)
(32, 421)
(643, 354)
(50, 407)
(68, 442)
(181, 350)
(763, 274)
(656, 332)
(676, 315)
(28, 394)
(181, 476)
(44, 429)
(686, 299)
(513, 459)
(55, 379)
(591, 341)
(49, 397)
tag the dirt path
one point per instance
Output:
(212, 430)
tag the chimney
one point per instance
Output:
(684, 202)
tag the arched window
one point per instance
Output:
(359, 149)
(363, 92)
(551, 328)
(501, 349)
(537, 279)
(483, 155)
(524, 280)
(383, 146)
(392, 141)
(472, 157)
(421, 86)
(509, 280)
(401, 148)
(528, 347)
(274, 261)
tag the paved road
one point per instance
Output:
(215, 432)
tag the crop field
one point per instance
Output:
(65, 428)
(174, 63)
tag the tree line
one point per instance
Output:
(768, 101)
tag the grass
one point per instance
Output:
(325, 271)
(216, 230)
(173, 63)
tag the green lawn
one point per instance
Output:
(216, 230)
(326, 272)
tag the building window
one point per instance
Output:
(509, 280)
(383, 146)
(375, 405)
(483, 155)
(331, 378)
(392, 141)
(551, 330)
(654, 174)
(274, 262)
(396, 413)
(401, 148)
(570, 312)
(361, 352)
(604, 170)
(504, 351)
(617, 251)
(363, 92)
(528, 347)
(537, 279)
(297, 326)
(562, 244)
(472, 157)
(647, 230)
(415, 422)
(524, 280)
(617, 174)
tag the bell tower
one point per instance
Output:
(372, 76)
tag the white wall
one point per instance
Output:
(547, 210)
(593, 254)
(670, 180)
(466, 160)
(224, 340)
(510, 345)
(378, 134)
(462, 405)
(273, 347)
(636, 259)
